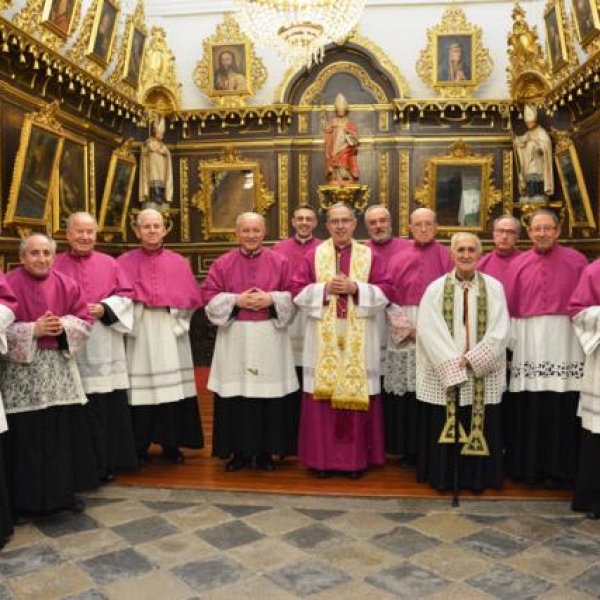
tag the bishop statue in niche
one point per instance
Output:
(156, 169)
(341, 145)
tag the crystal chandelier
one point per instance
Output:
(298, 30)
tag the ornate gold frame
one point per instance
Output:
(202, 200)
(57, 208)
(123, 154)
(565, 149)
(43, 121)
(73, 19)
(228, 33)
(90, 51)
(460, 155)
(454, 23)
(557, 8)
(586, 41)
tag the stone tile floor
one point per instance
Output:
(139, 543)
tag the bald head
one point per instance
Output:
(423, 226)
(250, 230)
(81, 233)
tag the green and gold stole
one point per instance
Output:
(475, 443)
(341, 370)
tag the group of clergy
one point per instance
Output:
(339, 352)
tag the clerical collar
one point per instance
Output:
(545, 251)
(343, 248)
(303, 241)
(426, 245)
(505, 255)
(382, 242)
(463, 279)
(250, 254)
(152, 251)
(80, 256)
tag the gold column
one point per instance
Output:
(283, 192)
(403, 191)
(184, 195)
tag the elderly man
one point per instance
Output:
(8, 307)
(295, 249)
(50, 454)
(342, 288)
(378, 222)
(497, 263)
(541, 429)
(411, 271)
(162, 390)
(463, 327)
(102, 362)
(252, 375)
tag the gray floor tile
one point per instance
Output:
(407, 581)
(502, 582)
(308, 578)
(313, 537)
(494, 544)
(88, 595)
(145, 530)
(402, 517)
(5, 593)
(230, 535)
(210, 573)
(485, 519)
(404, 541)
(94, 501)
(161, 506)
(588, 582)
(319, 514)
(65, 523)
(575, 544)
(241, 510)
(114, 566)
(28, 559)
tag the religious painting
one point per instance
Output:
(134, 56)
(117, 193)
(587, 21)
(573, 186)
(454, 64)
(58, 15)
(229, 68)
(229, 186)
(103, 31)
(35, 174)
(70, 193)
(555, 38)
(458, 186)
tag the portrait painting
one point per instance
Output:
(458, 194)
(574, 188)
(229, 68)
(232, 193)
(103, 32)
(134, 56)
(555, 39)
(71, 186)
(36, 170)
(454, 59)
(58, 16)
(117, 194)
(587, 21)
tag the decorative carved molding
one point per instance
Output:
(454, 23)
(228, 33)
(528, 73)
(562, 70)
(303, 179)
(403, 191)
(283, 193)
(184, 194)
(159, 72)
(384, 179)
(507, 182)
(452, 107)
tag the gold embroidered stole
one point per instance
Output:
(341, 370)
(475, 443)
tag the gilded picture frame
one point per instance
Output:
(71, 187)
(134, 55)
(449, 72)
(35, 170)
(117, 192)
(104, 31)
(459, 187)
(586, 20)
(556, 41)
(573, 186)
(59, 16)
(229, 186)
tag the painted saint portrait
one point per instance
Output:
(233, 192)
(571, 188)
(454, 58)
(229, 66)
(135, 56)
(555, 41)
(586, 19)
(72, 181)
(104, 31)
(120, 192)
(58, 14)
(458, 190)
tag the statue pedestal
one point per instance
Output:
(354, 194)
(528, 205)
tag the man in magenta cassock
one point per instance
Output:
(497, 263)
(342, 288)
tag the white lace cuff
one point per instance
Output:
(399, 325)
(450, 373)
(77, 332)
(21, 342)
(482, 359)
(219, 309)
(285, 309)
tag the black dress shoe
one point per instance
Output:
(322, 474)
(354, 474)
(78, 505)
(236, 463)
(593, 514)
(173, 455)
(409, 460)
(264, 462)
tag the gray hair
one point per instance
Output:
(377, 207)
(250, 215)
(76, 215)
(464, 234)
(25, 240)
(544, 212)
(423, 209)
(341, 205)
(147, 212)
(514, 220)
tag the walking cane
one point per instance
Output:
(456, 447)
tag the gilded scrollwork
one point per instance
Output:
(507, 181)
(560, 47)
(454, 63)
(233, 83)
(404, 191)
(304, 178)
(384, 179)
(283, 189)
(184, 193)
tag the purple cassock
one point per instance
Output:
(340, 439)
(497, 265)
(386, 251)
(295, 250)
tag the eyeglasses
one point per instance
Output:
(543, 228)
(505, 231)
(425, 225)
(336, 222)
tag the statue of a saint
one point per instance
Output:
(156, 170)
(341, 145)
(534, 160)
